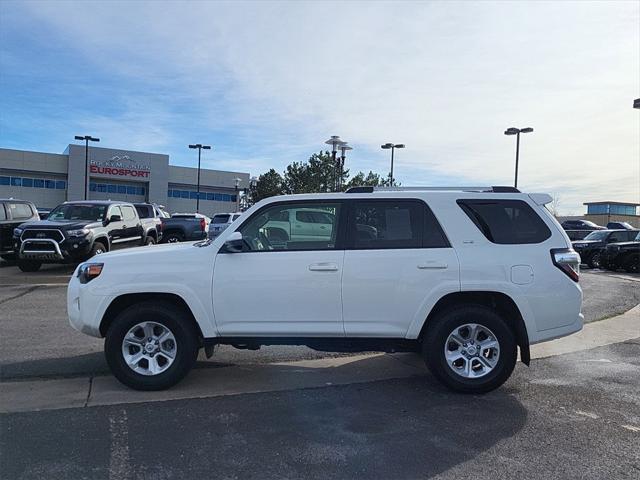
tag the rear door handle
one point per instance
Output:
(323, 267)
(432, 265)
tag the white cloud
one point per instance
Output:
(446, 78)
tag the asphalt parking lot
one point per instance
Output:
(580, 412)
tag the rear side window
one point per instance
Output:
(20, 211)
(506, 222)
(220, 219)
(144, 211)
(394, 224)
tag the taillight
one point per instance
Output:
(567, 260)
(203, 224)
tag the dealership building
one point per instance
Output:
(48, 179)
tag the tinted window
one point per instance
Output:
(598, 235)
(220, 219)
(235, 217)
(20, 211)
(77, 212)
(269, 231)
(128, 213)
(506, 221)
(393, 224)
(144, 211)
(3, 215)
(312, 216)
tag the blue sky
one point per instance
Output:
(267, 82)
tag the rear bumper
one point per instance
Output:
(553, 333)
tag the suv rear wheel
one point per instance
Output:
(173, 237)
(470, 349)
(151, 346)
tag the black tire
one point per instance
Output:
(594, 260)
(29, 265)
(173, 237)
(632, 264)
(96, 249)
(169, 316)
(434, 343)
(9, 258)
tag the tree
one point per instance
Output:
(269, 184)
(318, 174)
(555, 205)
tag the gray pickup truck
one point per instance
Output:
(184, 227)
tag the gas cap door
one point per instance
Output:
(521, 274)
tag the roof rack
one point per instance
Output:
(494, 189)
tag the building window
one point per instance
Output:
(92, 186)
(184, 194)
(5, 180)
(27, 182)
(61, 184)
(209, 196)
(16, 181)
(102, 188)
(38, 183)
(131, 190)
(50, 183)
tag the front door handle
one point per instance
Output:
(323, 267)
(432, 265)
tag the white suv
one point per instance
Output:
(464, 276)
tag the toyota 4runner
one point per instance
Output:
(464, 276)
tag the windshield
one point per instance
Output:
(89, 212)
(220, 219)
(600, 235)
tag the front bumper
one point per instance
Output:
(50, 251)
(84, 308)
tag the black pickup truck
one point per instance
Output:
(75, 231)
(625, 255)
(13, 213)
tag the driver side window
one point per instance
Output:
(279, 228)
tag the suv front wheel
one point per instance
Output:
(470, 349)
(151, 346)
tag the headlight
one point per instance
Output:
(17, 232)
(79, 233)
(89, 271)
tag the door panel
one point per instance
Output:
(278, 293)
(397, 262)
(291, 288)
(383, 290)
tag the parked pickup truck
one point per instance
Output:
(13, 213)
(184, 227)
(151, 217)
(221, 221)
(76, 231)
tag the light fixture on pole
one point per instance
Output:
(87, 139)
(517, 132)
(392, 147)
(200, 147)
(343, 148)
(334, 141)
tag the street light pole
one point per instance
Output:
(200, 147)
(392, 146)
(237, 185)
(87, 139)
(334, 141)
(343, 148)
(517, 132)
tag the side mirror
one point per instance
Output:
(114, 218)
(234, 243)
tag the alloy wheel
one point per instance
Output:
(149, 348)
(472, 350)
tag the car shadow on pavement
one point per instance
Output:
(90, 364)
